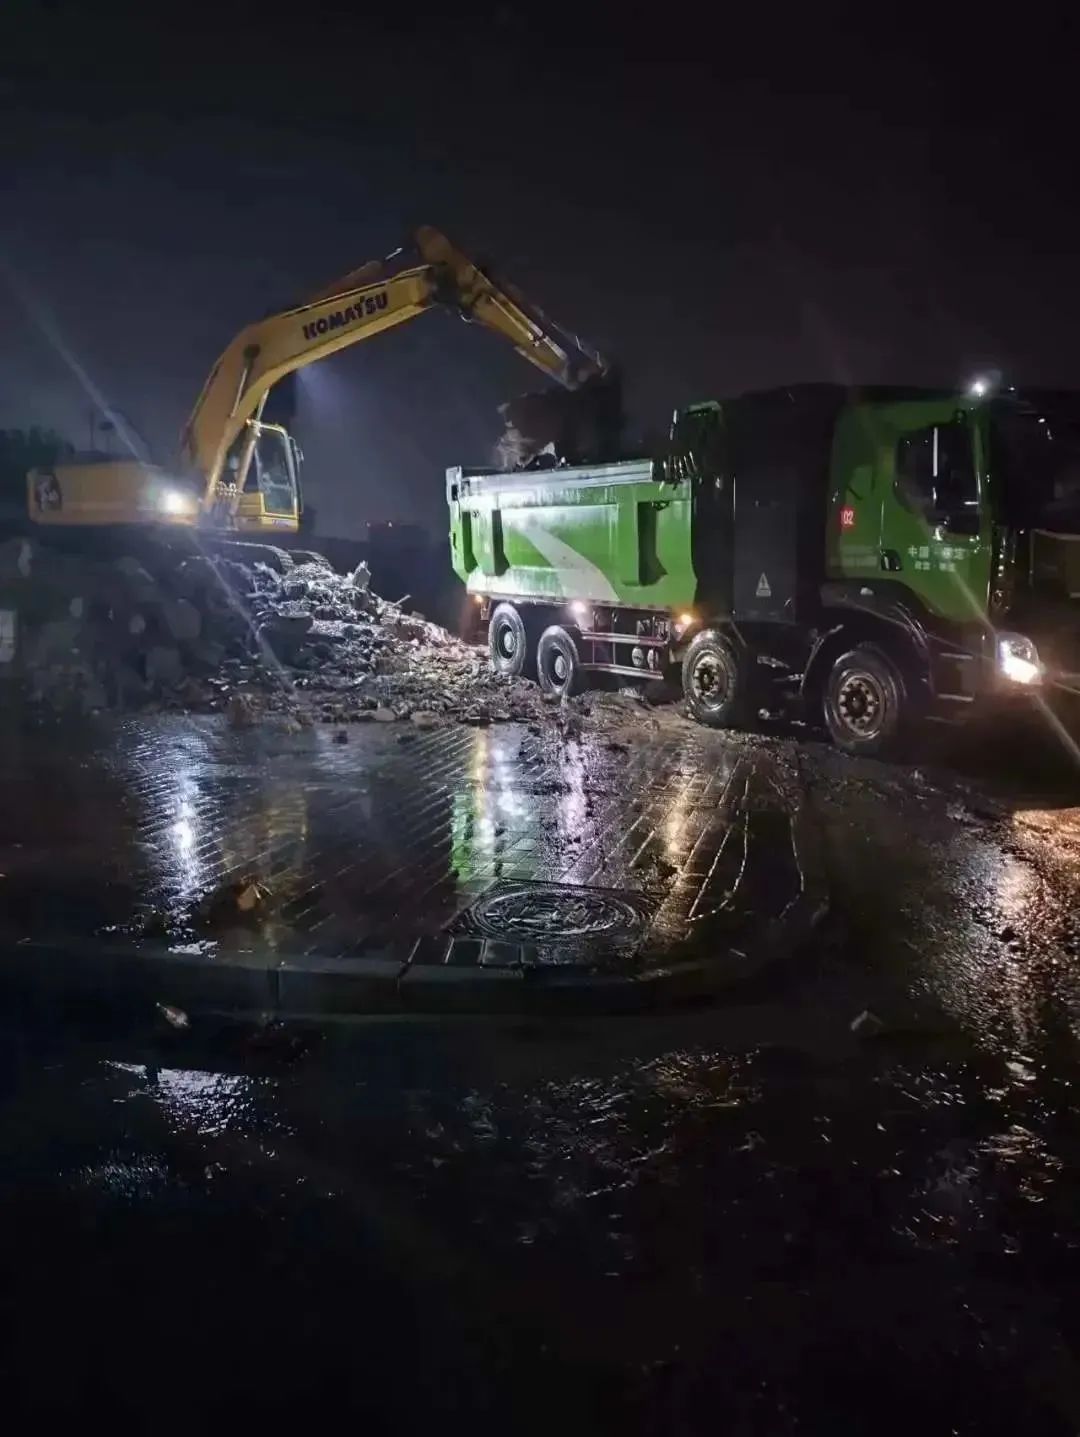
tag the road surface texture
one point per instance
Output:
(381, 867)
(840, 1197)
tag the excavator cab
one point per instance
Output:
(270, 495)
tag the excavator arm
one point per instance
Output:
(368, 301)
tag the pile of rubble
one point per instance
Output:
(247, 629)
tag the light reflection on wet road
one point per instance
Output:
(361, 848)
(747, 1218)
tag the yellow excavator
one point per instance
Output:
(239, 475)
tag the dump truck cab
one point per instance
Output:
(965, 511)
(939, 529)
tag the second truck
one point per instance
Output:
(878, 557)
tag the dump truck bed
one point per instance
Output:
(609, 533)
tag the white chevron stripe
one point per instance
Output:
(579, 578)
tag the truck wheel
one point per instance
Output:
(714, 681)
(507, 642)
(865, 702)
(558, 666)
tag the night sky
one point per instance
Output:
(719, 208)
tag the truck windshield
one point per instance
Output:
(1037, 454)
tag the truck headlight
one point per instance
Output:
(1018, 659)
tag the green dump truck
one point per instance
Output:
(878, 557)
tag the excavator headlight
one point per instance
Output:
(175, 501)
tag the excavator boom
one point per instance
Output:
(362, 304)
(220, 442)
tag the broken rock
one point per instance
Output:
(164, 667)
(55, 640)
(866, 1024)
(285, 634)
(139, 580)
(16, 559)
(182, 619)
(208, 653)
(196, 574)
(94, 697)
(241, 711)
(250, 895)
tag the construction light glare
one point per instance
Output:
(979, 387)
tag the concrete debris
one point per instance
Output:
(137, 578)
(182, 619)
(250, 895)
(286, 633)
(246, 630)
(233, 902)
(866, 1024)
(16, 559)
(241, 711)
(164, 667)
(751, 1142)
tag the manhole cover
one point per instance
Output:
(544, 914)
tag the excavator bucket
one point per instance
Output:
(576, 426)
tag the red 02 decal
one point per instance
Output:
(847, 517)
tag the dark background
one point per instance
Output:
(720, 205)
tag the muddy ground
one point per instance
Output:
(841, 1199)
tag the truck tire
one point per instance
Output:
(508, 644)
(714, 681)
(558, 665)
(865, 702)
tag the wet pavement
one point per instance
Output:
(840, 1198)
(378, 866)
